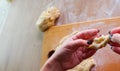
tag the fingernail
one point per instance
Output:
(111, 47)
(98, 30)
(51, 53)
(89, 42)
(109, 32)
(111, 35)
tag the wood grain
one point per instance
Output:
(20, 42)
(106, 59)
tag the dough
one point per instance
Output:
(100, 42)
(48, 18)
(85, 65)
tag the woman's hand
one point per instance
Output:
(72, 51)
(115, 46)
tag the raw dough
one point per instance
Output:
(48, 18)
(85, 65)
(100, 42)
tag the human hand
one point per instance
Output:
(115, 46)
(74, 49)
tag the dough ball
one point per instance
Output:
(85, 65)
(47, 18)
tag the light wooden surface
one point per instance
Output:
(105, 58)
(20, 42)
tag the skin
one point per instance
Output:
(71, 52)
(74, 50)
(115, 46)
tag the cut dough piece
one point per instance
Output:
(100, 42)
(48, 18)
(115, 38)
(85, 65)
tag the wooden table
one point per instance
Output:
(105, 59)
(20, 42)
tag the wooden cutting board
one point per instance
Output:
(105, 58)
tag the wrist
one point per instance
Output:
(52, 65)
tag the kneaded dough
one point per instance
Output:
(85, 65)
(47, 18)
(100, 42)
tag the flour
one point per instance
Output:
(90, 26)
(81, 10)
(98, 25)
(112, 5)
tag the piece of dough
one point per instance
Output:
(47, 18)
(85, 65)
(100, 42)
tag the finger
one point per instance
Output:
(96, 36)
(74, 45)
(87, 34)
(115, 40)
(115, 30)
(114, 44)
(116, 49)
